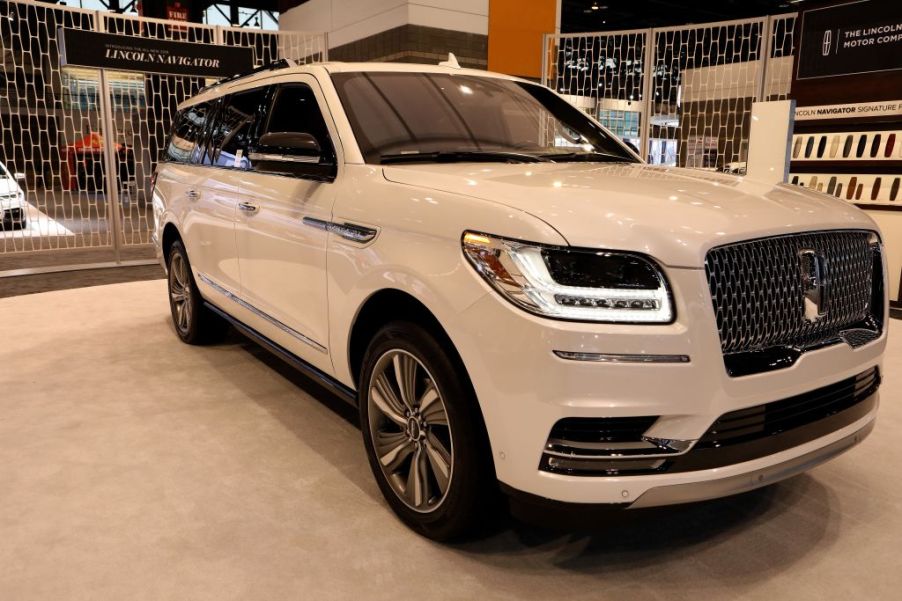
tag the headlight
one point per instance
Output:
(581, 285)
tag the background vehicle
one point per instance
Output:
(509, 295)
(12, 200)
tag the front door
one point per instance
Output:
(281, 256)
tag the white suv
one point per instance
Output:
(511, 297)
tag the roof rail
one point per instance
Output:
(282, 63)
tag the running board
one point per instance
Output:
(326, 381)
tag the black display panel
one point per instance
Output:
(851, 38)
(128, 53)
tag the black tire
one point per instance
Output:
(193, 321)
(470, 498)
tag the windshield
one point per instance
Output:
(440, 117)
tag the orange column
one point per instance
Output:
(515, 35)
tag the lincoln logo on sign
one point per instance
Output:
(828, 37)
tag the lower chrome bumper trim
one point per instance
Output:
(711, 489)
(619, 358)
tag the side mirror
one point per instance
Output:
(290, 153)
(291, 143)
(19, 176)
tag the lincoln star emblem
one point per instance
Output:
(825, 49)
(813, 268)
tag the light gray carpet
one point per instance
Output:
(135, 467)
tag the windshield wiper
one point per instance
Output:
(587, 157)
(463, 156)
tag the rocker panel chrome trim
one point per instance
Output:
(288, 330)
(346, 394)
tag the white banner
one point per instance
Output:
(843, 111)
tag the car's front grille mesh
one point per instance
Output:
(758, 295)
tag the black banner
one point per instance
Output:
(128, 53)
(852, 38)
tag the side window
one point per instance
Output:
(187, 131)
(295, 140)
(201, 149)
(235, 128)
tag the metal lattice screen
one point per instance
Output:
(603, 74)
(44, 113)
(681, 94)
(52, 125)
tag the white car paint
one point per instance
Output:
(315, 284)
(12, 196)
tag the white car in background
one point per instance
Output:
(13, 207)
(511, 297)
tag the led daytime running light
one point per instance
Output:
(519, 272)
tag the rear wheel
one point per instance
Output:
(423, 434)
(194, 322)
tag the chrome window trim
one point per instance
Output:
(288, 330)
(282, 158)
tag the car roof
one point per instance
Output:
(260, 77)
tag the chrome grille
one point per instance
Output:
(758, 294)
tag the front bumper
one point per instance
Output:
(13, 211)
(524, 389)
(738, 479)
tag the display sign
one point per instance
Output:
(128, 53)
(852, 38)
(176, 12)
(842, 111)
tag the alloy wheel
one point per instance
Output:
(410, 431)
(180, 292)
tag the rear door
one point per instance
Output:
(223, 164)
(286, 204)
(207, 220)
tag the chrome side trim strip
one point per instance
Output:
(348, 231)
(234, 297)
(345, 393)
(621, 358)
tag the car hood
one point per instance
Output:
(675, 215)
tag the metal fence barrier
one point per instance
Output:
(53, 126)
(681, 95)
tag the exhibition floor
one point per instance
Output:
(135, 467)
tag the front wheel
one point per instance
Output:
(423, 433)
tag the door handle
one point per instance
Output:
(248, 207)
(192, 194)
